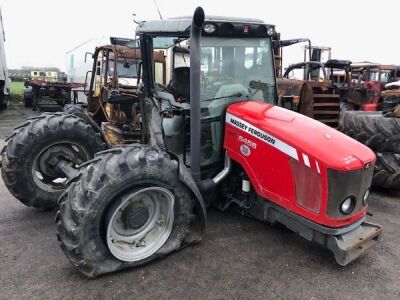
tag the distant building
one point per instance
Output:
(49, 75)
(18, 75)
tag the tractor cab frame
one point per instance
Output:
(112, 98)
(234, 51)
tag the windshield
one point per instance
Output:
(237, 66)
(386, 76)
(232, 70)
(125, 69)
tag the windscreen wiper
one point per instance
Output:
(230, 96)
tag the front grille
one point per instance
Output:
(343, 184)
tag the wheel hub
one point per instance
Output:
(49, 159)
(135, 217)
(139, 223)
(44, 168)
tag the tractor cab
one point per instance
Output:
(236, 64)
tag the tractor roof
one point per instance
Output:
(372, 65)
(130, 53)
(182, 24)
(122, 51)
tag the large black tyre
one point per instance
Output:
(380, 133)
(84, 207)
(387, 171)
(24, 150)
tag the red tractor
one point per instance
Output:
(214, 136)
(374, 78)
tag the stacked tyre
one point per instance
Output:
(382, 135)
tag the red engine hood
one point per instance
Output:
(308, 138)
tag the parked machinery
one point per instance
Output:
(374, 119)
(315, 94)
(331, 91)
(59, 92)
(380, 81)
(64, 140)
(147, 200)
(212, 136)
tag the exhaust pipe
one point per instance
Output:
(195, 108)
(195, 61)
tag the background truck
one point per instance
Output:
(4, 79)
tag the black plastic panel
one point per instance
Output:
(344, 184)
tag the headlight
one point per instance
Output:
(365, 198)
(347, 205)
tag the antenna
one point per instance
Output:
(155, 3)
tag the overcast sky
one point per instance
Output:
(40, 32)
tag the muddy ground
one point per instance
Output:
(240, 259)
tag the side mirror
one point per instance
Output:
(86, 79)
(88, 53)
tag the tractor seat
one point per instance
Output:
(180, 83)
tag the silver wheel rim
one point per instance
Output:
(140, 224)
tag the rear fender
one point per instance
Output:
(199, 225)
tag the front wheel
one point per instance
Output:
(128, 208)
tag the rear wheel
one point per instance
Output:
(380, 133)
(127, 208)
(30, 157)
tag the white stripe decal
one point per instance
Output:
(306, 160)
(316, 163)
(261, 135)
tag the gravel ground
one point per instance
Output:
(240, 259)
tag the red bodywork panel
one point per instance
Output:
(266, 140)
(376, 88)
(370, 107)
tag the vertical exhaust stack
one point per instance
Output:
(195, 61)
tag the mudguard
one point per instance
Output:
(199, 225)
